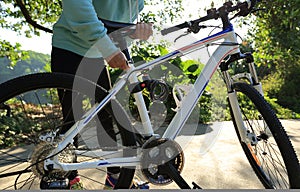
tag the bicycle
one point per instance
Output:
(46, 155)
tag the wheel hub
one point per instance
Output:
(263, 136)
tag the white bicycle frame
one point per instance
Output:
(188, 103)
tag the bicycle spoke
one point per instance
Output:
(93, 179)
(16, 157)
(274, 175)
(267, 159)
(274, 162)
(274, 167)
(31, 179)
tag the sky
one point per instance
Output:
(42, 43)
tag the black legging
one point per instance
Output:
(93, 69)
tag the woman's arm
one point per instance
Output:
(84, 23)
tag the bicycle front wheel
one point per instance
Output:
(271, 153)
(29, 108)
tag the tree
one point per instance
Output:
(28, 18)
(276, 43)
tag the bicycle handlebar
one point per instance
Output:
(193, 26)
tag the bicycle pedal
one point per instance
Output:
(140, 185)
(58, 184)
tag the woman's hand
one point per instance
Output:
(142, 31)
(117, 60)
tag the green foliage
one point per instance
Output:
(275, 36)
(219, 105)
(24, 124)
(20, 15)
(281, 112)
(13, 130)
(12, 52)
(276, 43)
(168, 13)
(27, 18)
(177, 71)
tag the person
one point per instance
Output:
(81, 45)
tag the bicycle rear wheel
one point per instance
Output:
(29, 108)
(272, 157)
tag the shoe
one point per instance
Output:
(138, 184)
(76, 184)
(110, 183)
(54, 184)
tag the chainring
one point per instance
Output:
(40, 153)
(157, 152)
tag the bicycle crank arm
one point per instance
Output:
(174, 174)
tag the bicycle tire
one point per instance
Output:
(35, 83)
(274, 134)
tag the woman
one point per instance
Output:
(80, 45)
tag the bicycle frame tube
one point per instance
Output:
(140, 103)
(191, 99)
(188, 103)
(113, 162)
(233, 102)
(78, 126)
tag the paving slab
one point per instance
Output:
(221, 164)
(213, 158)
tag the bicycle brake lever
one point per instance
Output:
(182, 35)
(191, 30)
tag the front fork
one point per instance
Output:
(256, 84)
(251, 76)
(235, 108)
(246, 136)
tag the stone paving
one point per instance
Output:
(214, 158)
(222, 163)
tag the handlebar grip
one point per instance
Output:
(175, 28)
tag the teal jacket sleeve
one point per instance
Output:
(83, 21)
